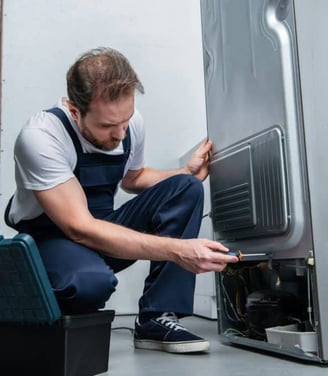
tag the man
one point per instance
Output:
(70, 161)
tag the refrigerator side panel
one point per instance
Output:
(254, 117)
(312, 31)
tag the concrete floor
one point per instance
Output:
(124, 360)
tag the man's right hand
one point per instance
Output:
(203, 255)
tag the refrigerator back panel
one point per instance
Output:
(254, 116)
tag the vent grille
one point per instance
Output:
(249, 189)
(233, 208)
(269, 183)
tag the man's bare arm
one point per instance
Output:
(135, 181)
(66, 205)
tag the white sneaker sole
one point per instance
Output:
(173, 347)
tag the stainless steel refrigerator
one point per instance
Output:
(266, 84)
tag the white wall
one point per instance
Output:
(161, 38)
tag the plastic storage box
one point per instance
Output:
(288, 335)
(35, 338)
(76, 345)
(26, 295)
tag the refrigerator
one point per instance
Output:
(266, 90)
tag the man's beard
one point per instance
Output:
(105, 146)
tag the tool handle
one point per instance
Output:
(236, 253)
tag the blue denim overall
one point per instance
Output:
(82, 278)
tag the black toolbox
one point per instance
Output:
(34, 335)
(76, 345)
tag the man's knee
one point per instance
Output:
(86, 291)
(193, 192)
(188, 183)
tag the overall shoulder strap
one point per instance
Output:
(66, 123)
(127, 142)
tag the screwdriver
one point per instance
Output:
(237, 254)
(241, 255)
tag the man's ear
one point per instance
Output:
(73, 110)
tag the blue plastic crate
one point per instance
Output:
(26, 295)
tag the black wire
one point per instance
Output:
(131, 330)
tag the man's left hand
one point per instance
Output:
(198, 164)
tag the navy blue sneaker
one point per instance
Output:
(165, 333)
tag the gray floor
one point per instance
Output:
(221, 360)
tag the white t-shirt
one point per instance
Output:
(45, 157)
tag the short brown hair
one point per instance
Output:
(100, 73)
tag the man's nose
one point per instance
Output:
(120, 132)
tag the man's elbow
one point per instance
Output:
(133, 181)
(78, 231)
(129, 187)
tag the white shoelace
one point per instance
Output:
(170, 320)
